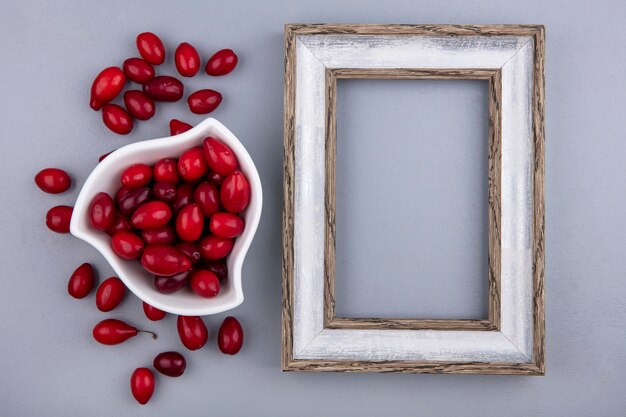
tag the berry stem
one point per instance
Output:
(154, 335)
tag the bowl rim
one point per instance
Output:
(252, 213)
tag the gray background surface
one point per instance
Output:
(49, 363)
(411, 199)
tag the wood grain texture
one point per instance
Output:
(330, 197)
(408, 324)
(536, 364)
(413, 73)
(415, 367)
(538, 198)
(494, 195)
(423, 30)
(288, 197)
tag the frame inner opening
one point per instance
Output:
(411, 199)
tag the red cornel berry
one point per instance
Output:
(121, 193)
(192, 331)
(104, 155)
(164, 260)
(204, 101)
(171, 284)
(151, 216)
(164, 191)
(136, 176)
(215, 178)
(230, 336)
(151, 48)
(138, 70)
(126, 244)
(190, 223)
(235, 192)
(139, 105)
(119, 224)
(184, 195)
(110, 294)
(227, 225)
(153, 313)
(81, 282)
(142, 385)
(114, 332)
(117, 119)
(219, 268)
(165, 234)
(101, 212)
(187, 60)
(191, 164)
(107, 85)
(207, 197)
(58, 219)
(190, 250)
(166, 170)
(221, 63)
(205, 283)
(219, 156)
(214, 247)
(164, 88)
(53, 180)
(170, 363)
(177, 127)
(129, 201)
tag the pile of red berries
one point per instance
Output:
(181, 217)
(192, 331)
(111, 292)
(140, 104)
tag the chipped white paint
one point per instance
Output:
(309, 197)
(515, 56)
(393, 51)
(516, 283)
(415, 345)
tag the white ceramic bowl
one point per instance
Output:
(106, 178)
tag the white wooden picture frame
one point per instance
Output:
(511, 339)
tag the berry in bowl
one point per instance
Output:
(175, 218)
